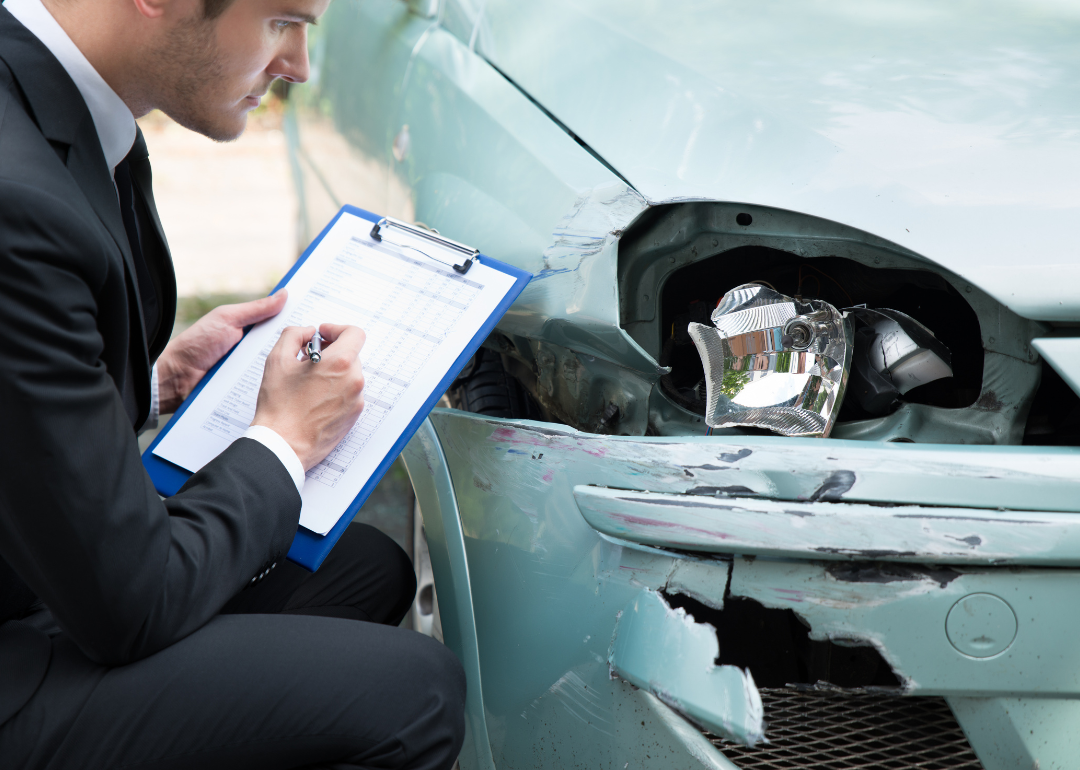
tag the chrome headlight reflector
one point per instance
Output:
(773, 361)
(782, 363)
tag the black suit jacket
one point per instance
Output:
(81, 527)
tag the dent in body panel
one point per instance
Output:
(570, 352)
(903, 615)
(547, 588)
(597, 219)
(547, 591)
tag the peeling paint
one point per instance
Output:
(890, 573)
(1011, 478)
(530, 547)
(704, 581)
(736, 489)
(833, 488)
(734, 457)
(822, 530)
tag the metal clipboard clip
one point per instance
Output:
(404, 235)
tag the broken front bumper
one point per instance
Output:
(554, 551)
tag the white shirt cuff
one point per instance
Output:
(270, 439)
(155, 404)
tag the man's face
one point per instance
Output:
(211, 73)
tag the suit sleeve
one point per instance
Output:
(124, 573)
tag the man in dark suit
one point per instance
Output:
(136, 632)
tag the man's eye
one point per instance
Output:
(282, 25)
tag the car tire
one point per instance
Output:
(485, 387)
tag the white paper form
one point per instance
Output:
(418, 314)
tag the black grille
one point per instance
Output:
(844, 730)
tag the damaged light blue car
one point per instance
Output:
(774, 463)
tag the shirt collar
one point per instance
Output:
(113, 120)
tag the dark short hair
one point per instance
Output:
(214, 8)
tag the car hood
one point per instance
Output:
(952, 130)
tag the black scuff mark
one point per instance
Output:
(989, 402)
(834, 487)
(973, 540)
(866, 553)
(890, 573)
(722, 491)
(708, 467)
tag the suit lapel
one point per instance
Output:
(63, 117)
(86, 163)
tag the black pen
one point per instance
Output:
(314, 348)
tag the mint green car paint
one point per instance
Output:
(977, 477)
(664, 651)
(527, 545)
(1015, 732)
(435, 493)
(1016, 707)
(547, 690)
(833, 531)
(946, 129)
(895, 134)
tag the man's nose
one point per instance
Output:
(291, 62)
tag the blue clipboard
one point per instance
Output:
(309, 549)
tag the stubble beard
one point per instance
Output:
(191, 71)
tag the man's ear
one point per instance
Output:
(152, 9)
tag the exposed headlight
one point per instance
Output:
(773, 361)
(782, 363)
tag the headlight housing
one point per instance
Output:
(783, 363)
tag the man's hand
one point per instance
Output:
(312, 405)
(191, 355)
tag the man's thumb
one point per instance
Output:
(257, 310)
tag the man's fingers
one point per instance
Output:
(247, 313)
(348, 340)
(293, 338)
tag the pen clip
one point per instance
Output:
(407, 236)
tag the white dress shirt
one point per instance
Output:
(116, 131)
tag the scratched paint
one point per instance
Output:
(547, 588)
(816, 530)
(1016, 478)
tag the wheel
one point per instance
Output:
(485, 387)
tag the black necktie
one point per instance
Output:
(131, 224)
(150, 308)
